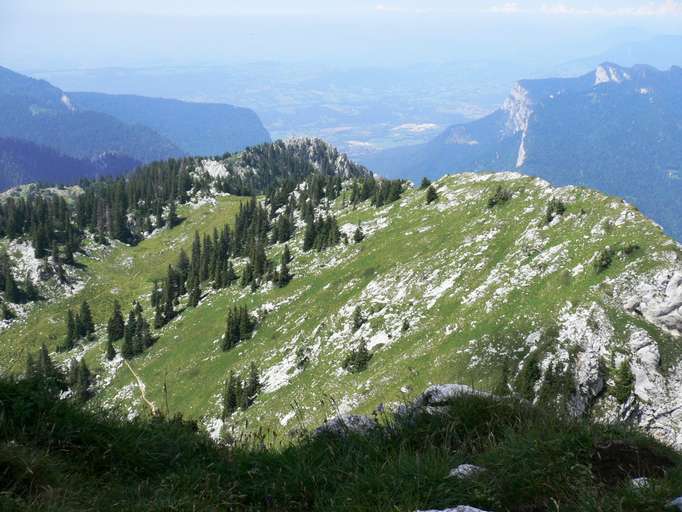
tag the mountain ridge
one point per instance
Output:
(612, 129)
(493, 284)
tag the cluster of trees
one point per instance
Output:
(555, 208)
(135, 333)
(501, 196)
(239, 327)
(40, 368)
(125, 208)
(381, 192)
(8, 284)
(240, 393)
(45, 219)
(79, 325)
(321, 233)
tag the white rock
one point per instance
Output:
(640, 483)
(676, 503)
(466, 471)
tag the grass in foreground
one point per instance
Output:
(57, 456)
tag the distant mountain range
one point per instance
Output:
(196, 128)
(86, 133)
(22, 161)
(616, 129)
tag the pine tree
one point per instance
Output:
(71, 332)
(172, 215)
(48, 373)
(195, 295)
(309, 235)
(426, 183)
(284, 275)
(128, 347)
(431, 194)
(168, 308)
(357, 318)
(87, 325)
(80, 379)
(111, 351)
(359, 235)
(230, 397)
(158, 317)
(11, 290)
(252, 387)
(116, 325)
(155, 295)
(30, 291)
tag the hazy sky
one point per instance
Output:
(57, 34)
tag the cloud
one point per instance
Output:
(508, 8)
(664, 8)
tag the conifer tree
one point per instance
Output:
(71, 332)
(158, 317)
(426, 183)
(30, 291)
(155, 295)
(358, 320)
(111, 351)
(128, 347)
(252, 387)
(284, 275)
(87, 325)
(309, 235)
(230, 399)
(195, 295)
(80, 379)
(11, 290)
(116, 325)
(359, 235)
(168, 299)
(172, 215)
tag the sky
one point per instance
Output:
(73, 34)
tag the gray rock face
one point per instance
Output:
(660, 301)
(342, 425)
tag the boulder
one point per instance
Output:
(351, 423)
(440, 394)
(659, 301)
(466, 471)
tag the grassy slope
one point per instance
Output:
(61, 459)
(457, 241)
(118, 272)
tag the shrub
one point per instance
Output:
(624, 382)
(357, 360)
(604, 260)
(431, 194)
(555, 207)
(501, 196)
